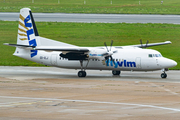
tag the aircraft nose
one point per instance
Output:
(171, 63)
(174, 63)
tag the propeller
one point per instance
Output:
(109, 53)
(142, 44)
(146, 43)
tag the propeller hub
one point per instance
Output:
(110, 53)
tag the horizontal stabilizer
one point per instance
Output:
(50, 48)
(18, 45)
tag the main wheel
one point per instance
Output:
(163, 75)
(114, 72)
(81, 74)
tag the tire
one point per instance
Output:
(81, 74)
(114, 72)
(163, 75)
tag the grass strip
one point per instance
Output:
(94, 6)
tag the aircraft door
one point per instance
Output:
(138, 62)
(54, 59)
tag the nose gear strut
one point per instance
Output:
(163, 75)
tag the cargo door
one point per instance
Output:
(54, 59)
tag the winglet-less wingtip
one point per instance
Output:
(168, 42)
(5, 43)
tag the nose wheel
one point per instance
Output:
(163, 75)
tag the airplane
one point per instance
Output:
(49, 52)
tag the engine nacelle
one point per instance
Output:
(75, 56)
(97, 54)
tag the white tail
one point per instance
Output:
(27, 31)
(28, 38)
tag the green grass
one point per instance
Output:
(94, 34)
(94, 6)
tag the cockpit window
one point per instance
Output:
(150, 55)
(155, 55)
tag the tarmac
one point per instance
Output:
(55, 93)
(95, 18)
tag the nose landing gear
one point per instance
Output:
(164, 75)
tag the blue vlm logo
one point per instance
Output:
(123, 63)
(30, 32)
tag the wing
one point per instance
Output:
(151, 44)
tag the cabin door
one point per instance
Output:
(54, 59)
(138, 62)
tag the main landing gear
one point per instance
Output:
(114, 72)
(82, 73)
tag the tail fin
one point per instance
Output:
(29, 38)
(27, 31)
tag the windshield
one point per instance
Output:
(155, 55)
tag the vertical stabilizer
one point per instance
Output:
(27, 31)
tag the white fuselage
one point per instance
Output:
(125, 59)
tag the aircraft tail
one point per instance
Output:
(27, 31)
(28, 37)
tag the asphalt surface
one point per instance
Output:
(45, 93)
(23, 73)
(93, 18)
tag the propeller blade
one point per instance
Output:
(109, 54)
(112, 60)
(106, 46)
(115, 51)
(141, 43)
(111, 44)
(107, 60)
(146, 43)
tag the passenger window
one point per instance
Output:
(150, 55)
